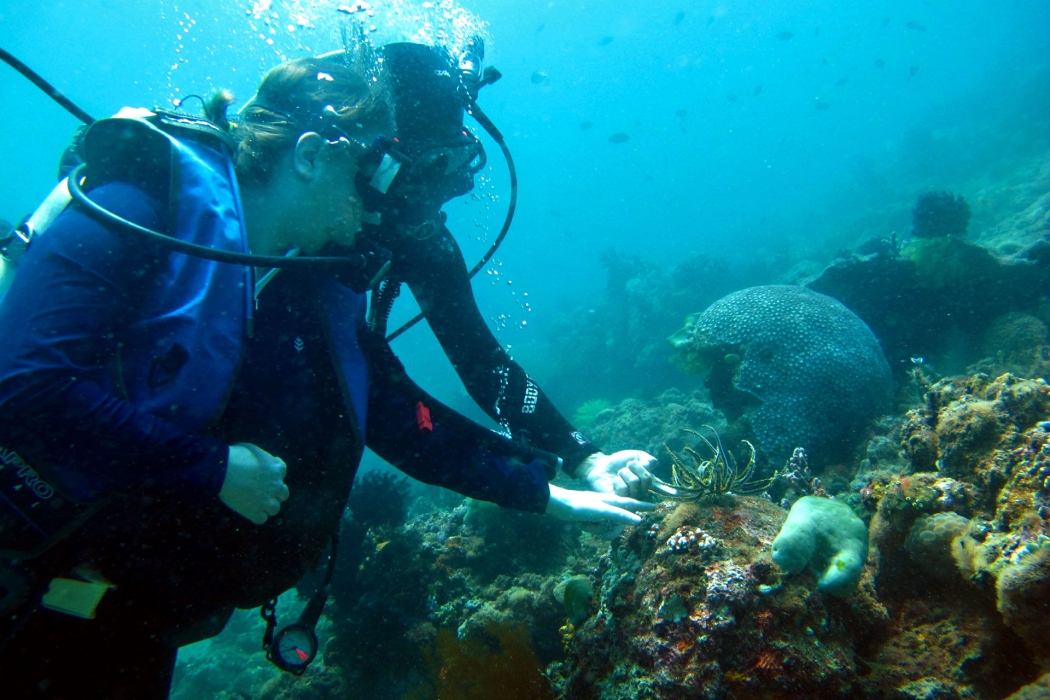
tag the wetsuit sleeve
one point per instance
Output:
(434, 444)
(76, 288)
(436, 273)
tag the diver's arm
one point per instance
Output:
(436, 273)
(430, 442)
(438, 446)
(60, 324)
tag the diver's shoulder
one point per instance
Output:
(139, 203)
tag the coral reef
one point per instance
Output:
(711, 618)
(953, 644)
(463, 570)
(652, 425)
(974, 517)
(1014, 334)
(951, 601)
(503, 666)
(379, 498)
(940, 214)
(1016, 343)
(802, 367)
(954, 651)
(969, 426)
(934, 301)
(584, 416)
(1023, 590)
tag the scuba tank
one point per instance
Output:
(15, 242)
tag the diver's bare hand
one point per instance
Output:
(624, 473)
(254, 485)
(602, 513)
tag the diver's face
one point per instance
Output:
(331, 209)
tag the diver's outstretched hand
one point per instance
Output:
(254, 485)
(624, 473)
(605, 514)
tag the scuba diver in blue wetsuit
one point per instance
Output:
(187, 383)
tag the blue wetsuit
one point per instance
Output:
(179, 557)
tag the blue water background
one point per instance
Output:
(743, 140)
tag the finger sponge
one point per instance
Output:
(828, 537)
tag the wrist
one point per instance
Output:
(584, 467)
(555, 503)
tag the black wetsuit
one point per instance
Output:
(435, 271)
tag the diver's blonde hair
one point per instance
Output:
(291, 100)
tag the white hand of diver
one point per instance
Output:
(605, 514)
(254, 485)
(624, 473)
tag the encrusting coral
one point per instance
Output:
(691, 607)
(930, 541)
(1023, 592)
(977, 512)
(967, 427)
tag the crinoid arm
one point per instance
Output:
(693, 477)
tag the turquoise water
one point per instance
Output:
(767, 132)
(729, 151)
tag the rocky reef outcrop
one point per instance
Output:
(936, 298)
(974, 517)
(692, 607)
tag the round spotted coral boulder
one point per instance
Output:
(806, 370)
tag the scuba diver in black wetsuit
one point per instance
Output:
(431, 91)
